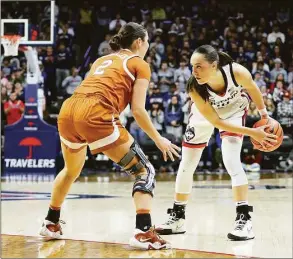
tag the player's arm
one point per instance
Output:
(142, 74)
(206, 109)
(243, 78)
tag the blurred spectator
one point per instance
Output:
(260, 65)
(104, 47)
(174, 118)
(156, 58)
(4, 80)
(278, 91)
(9, 88)
(270, 107)
(137, 133)
(177, 26)
(181, 75)
(272, 37)
(158, 45)
(103, 16)
(252, 115)
(290, 77)
(283, 15)
(150, 26)
(18, 89)
(158, 13)
(182, 96)
(157, 116)
(165, 77)
(277, 70)
(260, 82)
(155, 95)
(285, 113)
(50, 88)
(6, 67)
(71, 82)
(116, 24)
(85, 28)
(65, 36)
(4, 99)
(63, 64)
(13, 109)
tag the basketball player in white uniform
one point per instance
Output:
(219, 100)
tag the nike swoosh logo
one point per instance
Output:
(144, 239)
(179, 226)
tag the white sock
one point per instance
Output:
(184, 203)
(240, 203)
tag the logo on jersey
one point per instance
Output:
(189, 133)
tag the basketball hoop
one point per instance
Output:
(10, 44)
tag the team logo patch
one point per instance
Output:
(189, 133)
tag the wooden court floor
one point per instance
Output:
(100, 218)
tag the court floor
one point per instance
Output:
(100, 218)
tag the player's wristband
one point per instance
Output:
(263, 112)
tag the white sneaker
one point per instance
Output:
(242, 229)
(149, 240)
(51, 230)
(174, 225)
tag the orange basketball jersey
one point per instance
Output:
(113, 76)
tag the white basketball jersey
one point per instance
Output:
(234, 101)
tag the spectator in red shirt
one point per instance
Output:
(13, 109)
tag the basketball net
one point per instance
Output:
(11, 46)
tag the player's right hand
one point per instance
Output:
(264, 138)
(167, 148)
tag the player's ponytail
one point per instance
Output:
(224, 58)
(126, 35)
(115, 42)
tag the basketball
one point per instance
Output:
(275, 129)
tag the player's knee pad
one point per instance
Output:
(143, 182)
(231, 150)
(188, 164)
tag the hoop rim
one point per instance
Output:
(12, 38)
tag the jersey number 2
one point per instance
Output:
(100, 69)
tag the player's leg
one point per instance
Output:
(132, 159)
(231, 151)
(73, 164)
(74, 153)
(197, 135)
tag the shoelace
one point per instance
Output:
(172, 218)
(153, 229)
(62, 222)
(239, 224)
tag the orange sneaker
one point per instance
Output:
(149, 240)
(51, 230)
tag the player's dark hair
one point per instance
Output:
(126, 35)
(211, 55)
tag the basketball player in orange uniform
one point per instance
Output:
(91, 118)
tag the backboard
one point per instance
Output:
(34, 21)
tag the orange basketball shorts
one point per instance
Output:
(88, 120)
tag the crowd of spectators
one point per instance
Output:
(257, 35)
